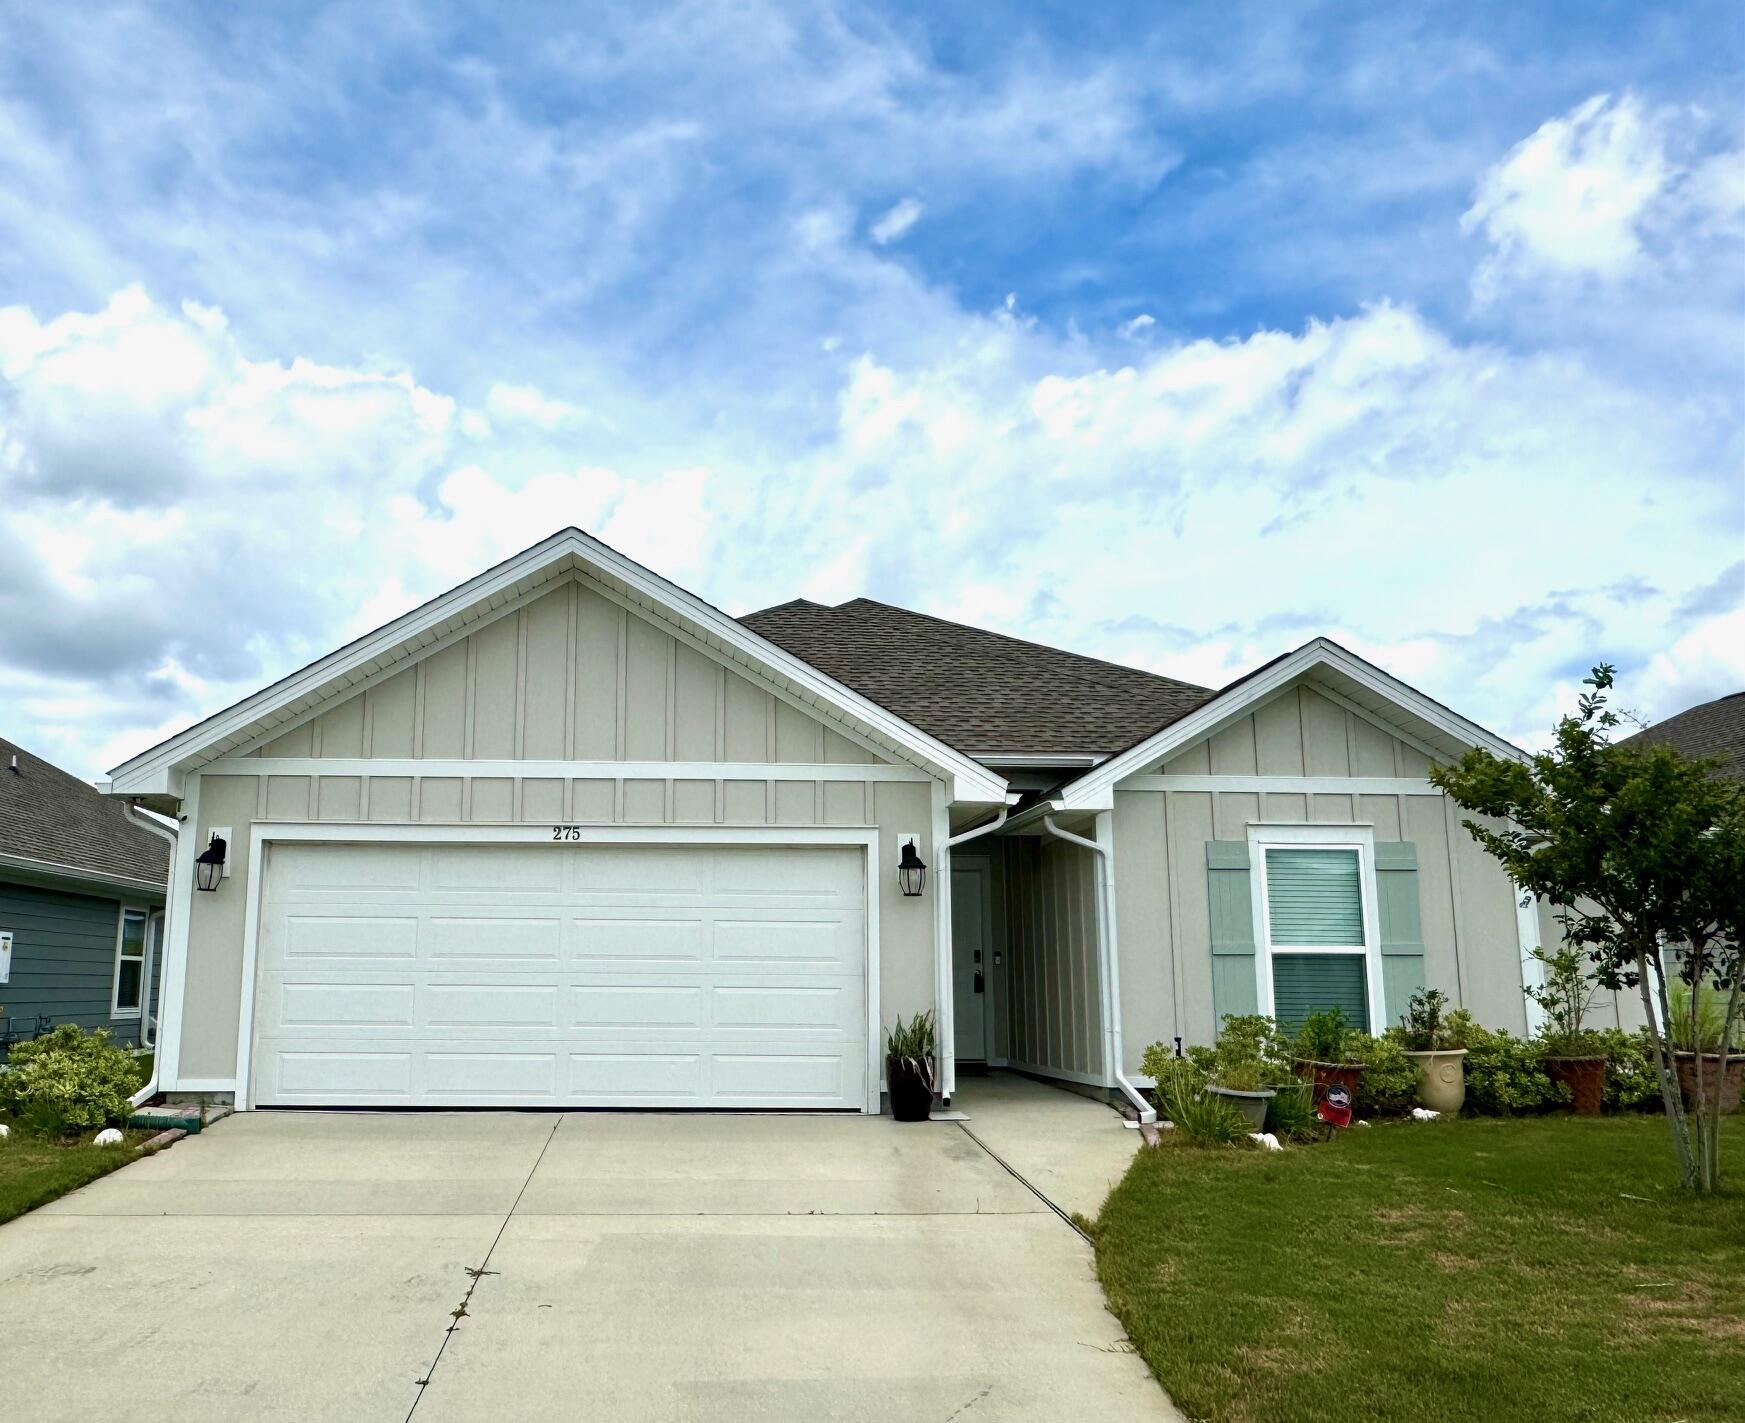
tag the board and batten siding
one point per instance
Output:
(63, 959)
(1052, 984)
(1467, 920)
(571, 676)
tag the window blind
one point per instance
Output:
(1313, 897)
(1311, 983)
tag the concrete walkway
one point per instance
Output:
(634, 1267)
(1070, 1148)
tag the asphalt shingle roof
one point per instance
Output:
(976, 690)
(1713, 730)
(46, 814)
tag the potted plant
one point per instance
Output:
(1429, 1041)
(1571, 1056)
(1323, 1052)
(1697, 1021)
(1243, 1065)
(909, 1055)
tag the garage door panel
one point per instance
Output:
(490, 1005)
(587, 995)
(649, 1079)
(786, 942)
(630, 940)
(316, 1075)
(654, 1006)
(517, 1075)
(347, 1005)
(486, 936)
(493, 869)
(317, 936)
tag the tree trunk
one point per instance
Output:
(1670, 1096)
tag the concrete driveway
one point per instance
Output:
(661, 1267)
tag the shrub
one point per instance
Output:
(1504, 1074)
(1322, 1037)
(70, 1081)
(1204, 1120)
(1424, 1025)
(1631, 1083)
(1159, 1061)
(1248, 1055)
(1291, 1113)
(1390, 1078)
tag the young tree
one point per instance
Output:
(1643, 850)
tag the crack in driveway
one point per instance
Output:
(475, 1274)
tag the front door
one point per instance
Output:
(969, 950)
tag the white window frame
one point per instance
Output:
(116, 1011)
(1360, 838)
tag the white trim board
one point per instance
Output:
(1283, 785)
(262, 834)
(397, 642)
(565, 770)
(1095, 789)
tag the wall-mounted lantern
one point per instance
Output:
(911, 868)
(209, 863)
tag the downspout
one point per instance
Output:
(1113, 1047)
(147, 1092)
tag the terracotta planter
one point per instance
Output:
(1348, 1075)
(911, 1094)
(1729, 1081)
(1441, 1078)
(1251, 1104)
(1586, 1077)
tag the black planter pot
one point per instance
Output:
(911, 1096)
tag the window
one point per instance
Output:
(129, 965)
(1316, 907)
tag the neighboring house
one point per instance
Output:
(81, 906)
(1710, 731)
(568, 835)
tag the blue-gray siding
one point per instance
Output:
(63, 959)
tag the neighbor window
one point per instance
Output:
(130, 965)
(1314, 933)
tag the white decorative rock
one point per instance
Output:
(5, 1131)
(1424, 1114)
(109, 1136)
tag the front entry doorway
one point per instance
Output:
(971, 905)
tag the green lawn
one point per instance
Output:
(34, 1171)
(1542, 1269)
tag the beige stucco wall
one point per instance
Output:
(1466, 903)
(626, 692)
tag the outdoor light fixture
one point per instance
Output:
(209, 864)
(911, 869)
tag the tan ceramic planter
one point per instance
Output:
(1441, 1079)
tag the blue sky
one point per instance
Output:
(1175, 335)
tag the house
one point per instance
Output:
(569, 835)
(1709, 731)
(81, 905)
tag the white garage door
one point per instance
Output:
(562, 975)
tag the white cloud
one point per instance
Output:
(1592, 193)
(896, 222)
(1139, 324)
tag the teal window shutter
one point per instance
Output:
(1312, 983)
(1314, 897)
(1230, 907)
(1402, 935)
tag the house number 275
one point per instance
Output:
(566, 832)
